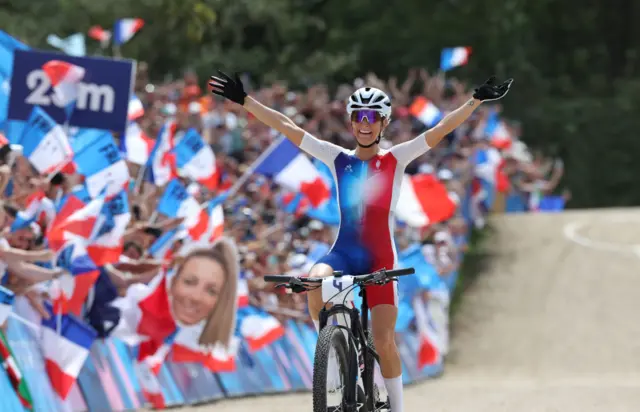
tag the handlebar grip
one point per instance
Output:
(401, 272)
(277, 278)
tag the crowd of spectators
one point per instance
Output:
(270, 239)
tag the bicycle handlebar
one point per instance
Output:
(357, 278)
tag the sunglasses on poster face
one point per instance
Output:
(371, 116)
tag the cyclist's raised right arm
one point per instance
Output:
(275, 120)
(321, 150)
(233, 89)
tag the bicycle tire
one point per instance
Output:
(372, 393)
(330, 337)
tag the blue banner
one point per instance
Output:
(103, 94)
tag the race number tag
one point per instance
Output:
(337, 289)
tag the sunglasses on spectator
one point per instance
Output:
(359, 116)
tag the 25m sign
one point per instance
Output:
(103, 94)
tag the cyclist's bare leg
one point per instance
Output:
(383, 325)
(314, 297)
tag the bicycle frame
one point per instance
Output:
(359, 332)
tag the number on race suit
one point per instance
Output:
(336, 289)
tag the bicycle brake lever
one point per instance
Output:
(380, 276)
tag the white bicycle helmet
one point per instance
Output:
(370, 98)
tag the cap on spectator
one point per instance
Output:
(290, 111)
(297, 261)
(299, 119)
(316, 225)
(231, 121)
(194, 108)
(445, 174)
(169, 109)
(193, 189)
(35, 228)
(441, 237)
(425, 168)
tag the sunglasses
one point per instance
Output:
(372, 116)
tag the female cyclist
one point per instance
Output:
(368, 181)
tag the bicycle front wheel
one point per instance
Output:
(332, 387)
(376, 399)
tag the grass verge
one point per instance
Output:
(475, 262)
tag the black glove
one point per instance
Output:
(492, 91)
(228, 88)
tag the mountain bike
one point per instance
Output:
(353, 344)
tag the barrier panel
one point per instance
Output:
(108, 381)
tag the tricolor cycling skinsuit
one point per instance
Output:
(368, 191)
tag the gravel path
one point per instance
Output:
(553, 326)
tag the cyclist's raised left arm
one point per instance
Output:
(411, 150)
(450, 122)
(406, 152)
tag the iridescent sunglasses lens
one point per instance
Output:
(371, 115)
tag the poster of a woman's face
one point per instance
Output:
(204, 289)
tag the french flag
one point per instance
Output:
(161, 163)
(106, 247)
(215, 228)
(6, 303)
(99, 34)
(161, 248)
(489, 168)
(176, 202)
(243, 293)
(30, 213)
(496, 130)
(151, 388)
(135, 110)
(65, 352)
(293, 170)
(218, 359)
(425, 111)
(329, 212)
(423, 201)
(125, 29)
(103, 167)
(45, 143)
(83, 139)
(295, 203)
(260, 329)
(65, 79)
(196, 160)
(74, 218)
(136, 144)
(216, 222)
(70, 290)
(453, 57)
(145, 316)
(431, 347)
(76, 199)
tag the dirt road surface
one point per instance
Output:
(551, 327)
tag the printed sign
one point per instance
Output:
(103, 93)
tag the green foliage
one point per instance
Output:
(574, 63)
(475, 263)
